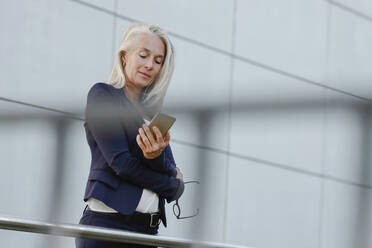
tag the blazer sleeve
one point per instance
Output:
(164, 163)
(103, 120)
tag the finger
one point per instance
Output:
(167, 138)
(140, 143)
(159, 136)
(180, 174)
(144, 138)
(149, 134)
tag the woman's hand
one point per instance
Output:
(179, 174)
(151, 146)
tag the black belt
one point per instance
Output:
(151, 219)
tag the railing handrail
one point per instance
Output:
(108, 234)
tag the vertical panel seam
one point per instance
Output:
(114, 32)
(324, 135)
(231, 83)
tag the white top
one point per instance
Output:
(149, 202)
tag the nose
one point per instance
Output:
(149, 64)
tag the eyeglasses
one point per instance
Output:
(177, 209)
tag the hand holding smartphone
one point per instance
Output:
(163, 122)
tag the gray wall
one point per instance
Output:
(273, 106)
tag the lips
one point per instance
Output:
(145, 74)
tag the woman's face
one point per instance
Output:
(144, 61)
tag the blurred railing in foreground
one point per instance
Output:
(83, 231)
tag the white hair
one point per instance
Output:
(153, 95)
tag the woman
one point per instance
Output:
(132, 170)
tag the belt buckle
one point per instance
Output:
(152, 218)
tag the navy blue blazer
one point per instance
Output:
(119, 172)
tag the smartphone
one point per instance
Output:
(163, 122)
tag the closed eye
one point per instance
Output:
(156, 61)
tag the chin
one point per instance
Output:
(144, 83)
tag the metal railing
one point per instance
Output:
(91, 232)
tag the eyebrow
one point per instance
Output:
(148, 50)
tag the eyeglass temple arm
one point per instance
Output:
(197, 212)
